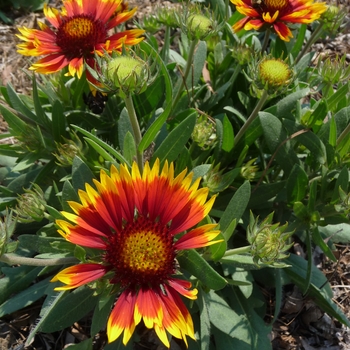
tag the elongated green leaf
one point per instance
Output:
(297, 184)
(204, 321)
(338, 96)
(152, 131)
(81, 174)
(243, 324)
(24, 298)
(275, 137)
(68, 194)
(298, 44)
(228, 137)
(319, 241)
(16, 279)
(310, 140)
(172, 146)
(236, 207)
(191, 261)
(102, 144)
(75, 305)
(58, 122)
(343, 182)
(50, 303)
(288, 103)
(19, 106)
(17, 125)
(39, 111)
(101, 313)
(129, 148)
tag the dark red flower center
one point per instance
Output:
(275, 5)
(142, 254)
(78, 36)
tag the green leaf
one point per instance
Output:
(228, 137)
(319, 241)
(42, 244)
(17, 126)
(288, 103)
(298, 44)
(129, 148)
(153, 130)
(319, 289)
(200, 171)
(276, 137)
(343, 182)
(94, 139)
(240, 322)
(199, 59)
(101, 313)
(235, 207)
(297, 184)
(338, 96)
(40, 113)
(124, 126)
(204, 321)
(58, 122)
(25, 298)
(50, 303)
(192, 262)
(19, 106)
(81, 174)
(172, 146)
(16, 279)
(69, 194)
(75, 305)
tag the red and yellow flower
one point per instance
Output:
(135, 219)
(80, 30)
(276, 14)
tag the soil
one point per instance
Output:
(300, 325)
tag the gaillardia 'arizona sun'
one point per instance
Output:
(81, 30)
(276, 13)
(134, 219)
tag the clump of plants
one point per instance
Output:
(163, 185)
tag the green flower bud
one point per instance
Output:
(67, 151)
(200, 26)
(274, 74)
(268, 241)
(31, 205)
(204, 133)
(249, 171)
(7, 227)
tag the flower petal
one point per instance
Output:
(78, 275)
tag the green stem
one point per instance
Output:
(129, 104)
(345, 132)
(191, 51)
(12, 259)
(266, 41)
(253, 115)
(314, 36)
(235, 251)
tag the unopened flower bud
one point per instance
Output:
(199, 25)
(128, 74)
(31, 205)
(268, 241)
(67, 151)
(248, 171)
(274, 74)
(7, 227)
(204, 133)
